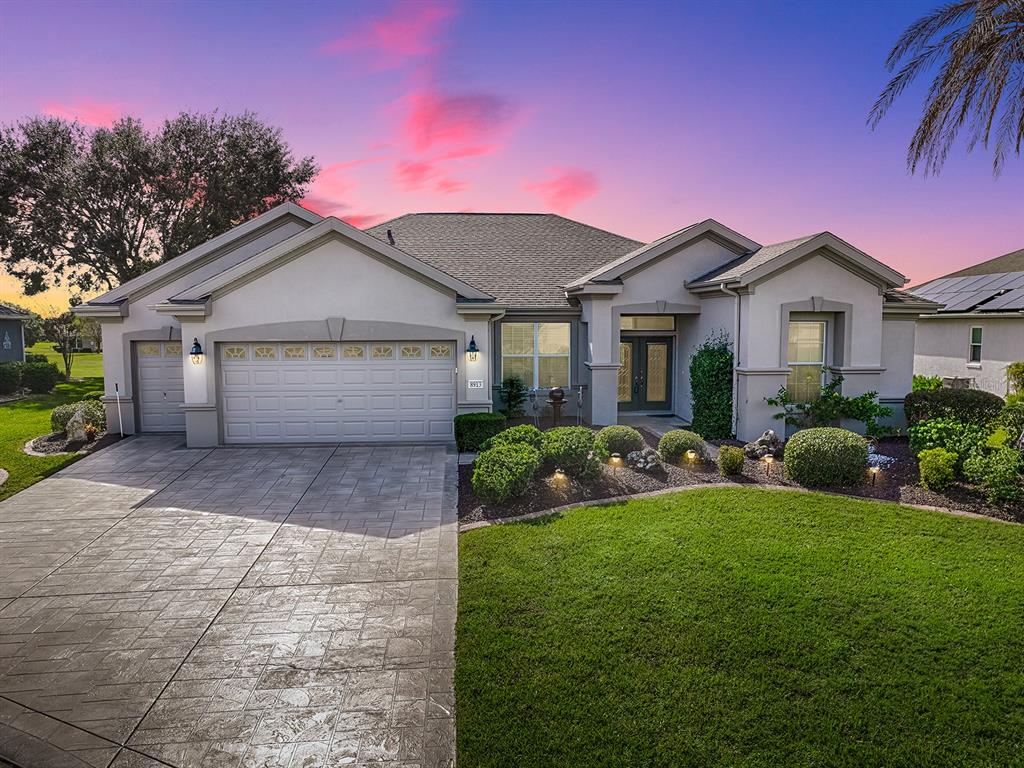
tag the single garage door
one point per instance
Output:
(335, 392)
(160, 386)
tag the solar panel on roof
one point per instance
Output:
(965, 300)
(1010, 300)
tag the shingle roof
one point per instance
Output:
(735, 269)
(522, 259)
(12, 312)
(1008, 262)
(897, 296)
(627, 256)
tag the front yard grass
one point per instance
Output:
(86, 365)
(741, 627)
(22, 420)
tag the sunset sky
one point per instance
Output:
(638, 117)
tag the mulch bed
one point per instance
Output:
(57, 442)
(897, 483)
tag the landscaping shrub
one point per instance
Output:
(925, 383)
(955, 436)
(998, 472)
(93, 412)
(1015, 376)
(571, 449)
(971, 406)
(31, 357)
(711, 388)
(96, 394)
(730, 460)
(937, 467)
(823, 456)
(525, 434)
(40, 378)
(676, 442)
(471, 429)
(505, 471)
(830, 406)
(513, 395)
(618, 439)
(1011, 418)
(10, 378)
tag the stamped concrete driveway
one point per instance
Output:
(166, 606)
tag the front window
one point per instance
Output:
(806, 360)
(538, 353)
(974, 355)
(647, 323)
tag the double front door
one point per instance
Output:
(645, 374)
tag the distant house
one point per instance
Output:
(295, 328)
(12, 334)
(980, 329)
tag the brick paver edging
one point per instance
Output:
(612, 500)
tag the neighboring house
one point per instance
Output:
(12, 334)
(314, 331)
(980, 329)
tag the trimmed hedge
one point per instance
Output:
(937, 467)
(618, 439)
(40, 378)
(971, 406)
(925, 383)
(471, 429)
(826, 456)
(711, 371)
(955, 436)
(676, 442)
(730, 460)
(572, 450)
(525, 434)
(93, 413)
(505, 471)
(10, 377)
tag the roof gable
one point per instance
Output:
(267, 260)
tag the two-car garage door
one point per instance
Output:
(328, 391)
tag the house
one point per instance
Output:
(12, 334)
(297, 328)
(979, 330)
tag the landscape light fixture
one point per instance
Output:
(874, 474)
(196, 353)
(616, 463)
(768, 459)
(472, 351)
(559, 475)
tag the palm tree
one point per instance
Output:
(978, 47)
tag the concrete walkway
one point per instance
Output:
(231, 607)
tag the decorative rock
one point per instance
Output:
(767, 443)
(643, 460)
(75, 430)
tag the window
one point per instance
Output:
(538, 353)
(410, 352)
(974, 355)
(806, 360)
(382, 352)
(264, 353)
(323, 352)
(295, 353)
(353, 351)
(647, 323)
(441, 351)
(234, 353)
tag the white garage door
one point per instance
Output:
(160, 386)
(333, 392)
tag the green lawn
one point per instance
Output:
(22, 420)
(85, 365)
(738, 627)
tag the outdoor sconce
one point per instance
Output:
(196, 353)
(472, 351)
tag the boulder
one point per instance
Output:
(75, 430)
(767, 443)
(643, 460)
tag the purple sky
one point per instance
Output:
(634, 116)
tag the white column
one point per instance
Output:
(602, 359)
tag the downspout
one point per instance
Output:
(736, 361)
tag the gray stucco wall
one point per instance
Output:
(11, 347)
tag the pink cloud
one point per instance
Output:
(409, 30)
(454, 120)
(451, 186)
(413, 174)
(362, 220)
(96, 113)
(566, 188)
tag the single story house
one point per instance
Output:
(294, 327)
(12, 334)
(979, 330)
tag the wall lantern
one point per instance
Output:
(196, 353)
(472, 351)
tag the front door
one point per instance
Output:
(645, 374)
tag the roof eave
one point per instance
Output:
(99, 310)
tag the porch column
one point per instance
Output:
(602, 358)
(201, 428)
